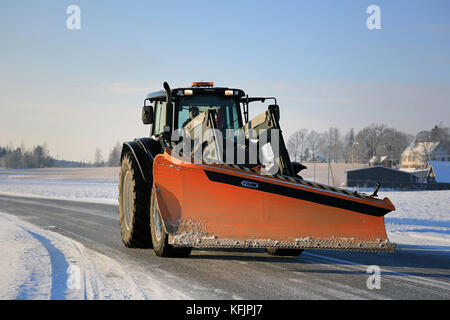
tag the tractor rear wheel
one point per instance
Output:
(284, 252)
(134, 203)
(160, 238)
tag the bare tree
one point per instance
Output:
(114, 155)
(330, 145)
(348, 145)
(296, 144)
(369, 139)
(99, 162)
(423, 151)
(334, 138)
(394, 143)
(312, 140)
(439, 133)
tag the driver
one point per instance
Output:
(193, 112)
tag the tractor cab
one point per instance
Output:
(175, 108)
(202, 107)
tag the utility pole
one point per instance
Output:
(353, 144)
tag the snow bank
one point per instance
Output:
(41, 264)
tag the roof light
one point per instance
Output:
(203, 84)
(228, 92)
(188, 92)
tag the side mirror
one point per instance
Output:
(147, 114)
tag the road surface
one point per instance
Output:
(412, 272)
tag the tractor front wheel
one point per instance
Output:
(134, 202)
(160, 238)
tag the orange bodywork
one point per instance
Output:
(220, 206)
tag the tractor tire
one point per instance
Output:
(160, 238)
(134, 204)
(284, 252)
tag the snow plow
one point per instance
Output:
(210, 178)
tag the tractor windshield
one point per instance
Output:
(226, 109)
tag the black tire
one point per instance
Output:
(160, 238)
(284, 252)
(134, 204)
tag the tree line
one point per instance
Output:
(39, 157)
(304, 145)
(373, 140)
(113, 159)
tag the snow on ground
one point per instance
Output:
(40, 264)
(421, 217)
(85, 184)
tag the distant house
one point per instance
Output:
(439, 171)
(388, 177)
(418, 155)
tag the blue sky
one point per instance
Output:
(81, 89)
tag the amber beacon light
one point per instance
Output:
(202, 84)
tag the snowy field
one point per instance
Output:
(45, 257)
(85, 184)
(421, 217)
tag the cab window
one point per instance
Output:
(160, 117)
(225, 107)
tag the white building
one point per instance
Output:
(418, 155)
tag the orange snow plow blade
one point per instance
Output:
(229, 206)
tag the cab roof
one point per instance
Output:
(197, 87)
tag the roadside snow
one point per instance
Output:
(420, 218)
(41, 264)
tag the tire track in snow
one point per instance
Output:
(59, 267)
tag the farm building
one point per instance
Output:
(388, 177)
(422, 174)
(439, 172)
